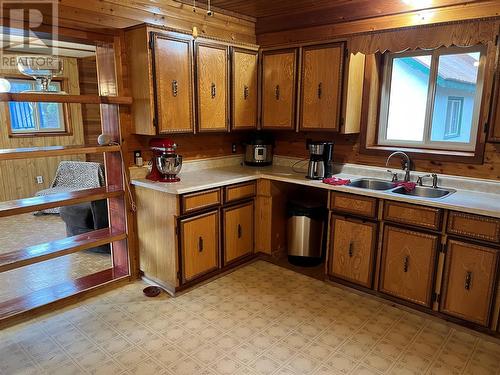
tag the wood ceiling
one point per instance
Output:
(278, 15)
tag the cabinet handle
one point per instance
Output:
(245, 92)
(174, 87)
(277, 92)
(351, 250)
(213, 90)
(320, 90)
(406, 262)
(200, 244)
(468, 280)
(239, 231)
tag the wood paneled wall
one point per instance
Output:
(18, 177)
(91, 114)
(346, 150)
(195, 146)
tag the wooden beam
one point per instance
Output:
(62, 98)
(49, 151)
(474, 11)
(58, 248)
(22, 206)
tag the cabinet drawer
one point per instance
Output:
(197, 201)
(238, 232)
(469, 281)
(420, 216)
(239, 191)
(353, 244)
(408, 264)
(474, 226)
(199, 245)
(353, 204)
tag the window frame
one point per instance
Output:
(65, 115)
(427, 144)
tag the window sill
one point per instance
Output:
(40, 134)
(469, 157)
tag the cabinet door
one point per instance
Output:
(238, 232)
(174, 83)
(352, 245)
(244, 86)
(212, 87)
(199, 245)
(278, 89)
(321, 82)
(408, 264)
(469, 281)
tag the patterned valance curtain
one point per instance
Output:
(427, 37)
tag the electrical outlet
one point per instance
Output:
(39, 179)
(233, 148)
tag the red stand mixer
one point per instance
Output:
(166, 164)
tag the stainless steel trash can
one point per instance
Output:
(305, 233)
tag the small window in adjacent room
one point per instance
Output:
(35, 118)
(453, 117)
(432, 99)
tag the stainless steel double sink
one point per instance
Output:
(388, 186)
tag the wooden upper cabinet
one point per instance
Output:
(174, 82)
(353, 81)
(244, 89)
(469, 281)
(353, 247)
(279, 71)
(321, 87)
(238, 232)
(140, 65)
(212, 86)
(408, 264)
(199, 245)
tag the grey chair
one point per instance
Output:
(72, 176)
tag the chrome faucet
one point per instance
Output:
(406, 163)
(434, 180)
(420, 179)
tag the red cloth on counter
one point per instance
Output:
(407, 185)
(336, 181)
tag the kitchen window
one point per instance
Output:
(431, 99)
(35, 118)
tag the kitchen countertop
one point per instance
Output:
(480, 203)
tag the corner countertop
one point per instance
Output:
(480, 203)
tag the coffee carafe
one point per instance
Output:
(320, 160)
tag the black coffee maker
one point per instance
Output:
(320, 160)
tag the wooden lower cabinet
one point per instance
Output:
(238, 232)
(352, 248)
(199, 236)
(469, 281)
(408, 264)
